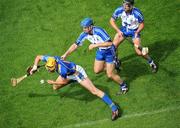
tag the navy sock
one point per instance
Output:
(150, 60)
(113, 47)
(108, 101)
(123, 85)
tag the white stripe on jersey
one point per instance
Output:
(139, 14)
(103, 34)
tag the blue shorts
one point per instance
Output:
(129, 32)
(106, 55)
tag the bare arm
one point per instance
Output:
(64, 82)
(36, 62)
(71, 49)
(105, 44)
(59, 81)
(114, 25)
(140, 28)
(37, 59)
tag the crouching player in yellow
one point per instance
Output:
(70, 71)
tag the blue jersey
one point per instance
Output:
(130, 21)
(63, 68)
(99, 35)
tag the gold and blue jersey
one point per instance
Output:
(63, 68)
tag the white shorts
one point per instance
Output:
(81, 75)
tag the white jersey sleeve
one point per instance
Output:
(81, 38)
(117, 13)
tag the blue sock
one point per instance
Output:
(108, 101)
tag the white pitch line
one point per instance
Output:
(88, 123)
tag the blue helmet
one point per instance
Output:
(86, 22)
(129, 1)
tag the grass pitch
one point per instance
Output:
(32, 27)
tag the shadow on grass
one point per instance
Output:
(159, 51)
(74, 91)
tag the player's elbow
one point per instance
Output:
(111, 21)
(142, 25)
(38, 57)
(75, 45)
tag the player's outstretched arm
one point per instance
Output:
(58, 83)
(36, 62)
(53, 82)
(71, 49)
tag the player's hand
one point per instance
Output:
(63, 57)
(33, 69)
(50, 81)
(91, 46)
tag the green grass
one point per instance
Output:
(32, 27)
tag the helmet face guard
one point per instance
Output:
(50, 69)
(51, 64)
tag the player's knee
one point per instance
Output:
(139, 53)
(109, 75)
(97, 71)
(94, 91)
(55, 87)
(117, 40)
(117, 36)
